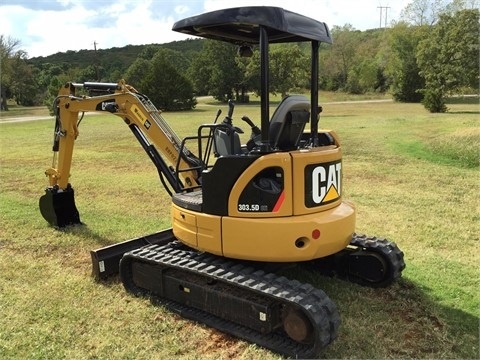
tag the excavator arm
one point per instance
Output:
(178, 168)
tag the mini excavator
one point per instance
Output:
(237, 209)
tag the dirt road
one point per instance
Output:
(15, 119)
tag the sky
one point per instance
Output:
(46, 27)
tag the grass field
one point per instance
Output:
(414, 177)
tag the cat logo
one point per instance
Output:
(323, 183)
(108, 105)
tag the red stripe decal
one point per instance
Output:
(279, 203)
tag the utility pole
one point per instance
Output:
(381, 12)
(386, 11)
(96, 60)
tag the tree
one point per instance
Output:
(423, 12)
(17, 78)
(24, 86)
(160, 77)
(457, 5)
(226, 75)
(366, 73)
(199, 72)
(363, 77)
(89, 73)
(288, 69)
(402, 67)
(136, 73)
(355, 62)
(216, 71)
(56, 81)
(7, 51)
(148, 52)
(448, 57)
(342, 53)
(166, 87)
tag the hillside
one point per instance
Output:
(118, 58)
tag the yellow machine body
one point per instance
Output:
(297, 228)
(278, 206)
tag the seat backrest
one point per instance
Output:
(288, 122)
(226, 142)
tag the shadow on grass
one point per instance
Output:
(467, 99)
(403, 320)
(464, 112)
(250, 103)
(434, 329)
(82, 230)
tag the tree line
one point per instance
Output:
(432, 53)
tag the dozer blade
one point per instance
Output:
(58, 207)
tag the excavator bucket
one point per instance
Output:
(58, 207)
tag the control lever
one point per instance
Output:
(231, 106)
(256, 133)
(255, 129)
(218, 114)
(228, 118)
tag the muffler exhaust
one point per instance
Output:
(58, 207)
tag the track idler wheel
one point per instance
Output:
(369, 266)
(297, 326)
(58, 207)
(376, 262)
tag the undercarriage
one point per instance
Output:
(247, 299)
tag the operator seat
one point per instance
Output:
(226, 140)
(288, 122)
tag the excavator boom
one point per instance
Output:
(178, 168)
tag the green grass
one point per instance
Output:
(414, 177)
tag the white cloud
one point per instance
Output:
(362, 15)
(60, 30)
(115, 9)
(65, 3)
(76, 24)
(181, 9)
(8, 15)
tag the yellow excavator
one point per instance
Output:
(239, 211)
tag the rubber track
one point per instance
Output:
(388, 250)
(320, 309)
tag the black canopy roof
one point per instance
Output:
(241, 25)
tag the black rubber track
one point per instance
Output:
(339, 265)
(388, 250)
(320, 310)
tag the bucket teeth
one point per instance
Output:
(58, 207)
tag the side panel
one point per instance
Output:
(318, 179)
(209, 233)
(294, 238)
(264, 189)
(200, 231)
(184, 225)
(218, 182)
